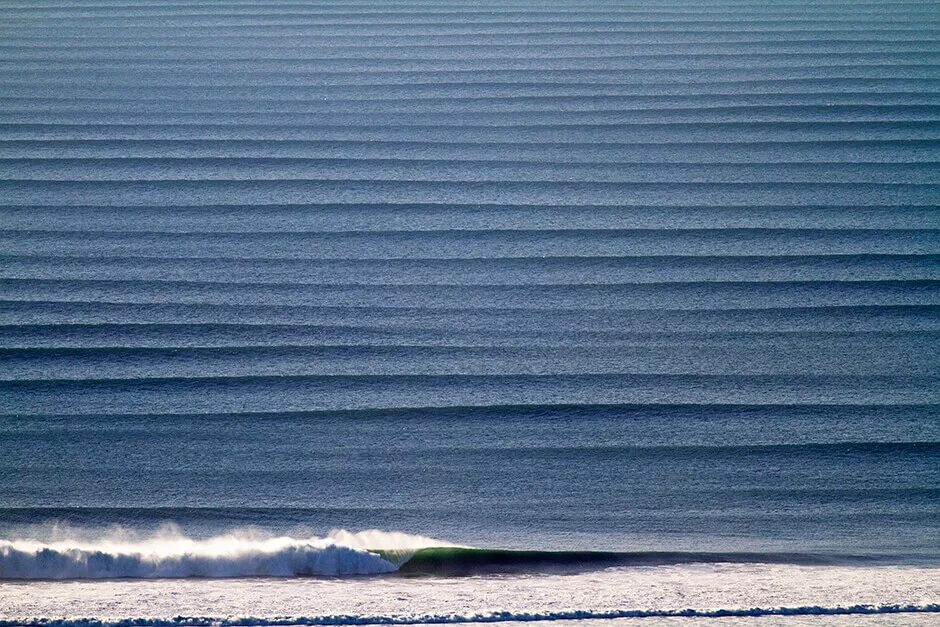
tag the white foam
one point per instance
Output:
(491, 617)
(170, 554)
(694, 590)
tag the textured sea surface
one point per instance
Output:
(610, 311)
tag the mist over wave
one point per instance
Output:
(170, 554)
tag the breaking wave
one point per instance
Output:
(171, 555)
(493, 617)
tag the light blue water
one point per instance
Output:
(583, 275)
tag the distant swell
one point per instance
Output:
(436, 619)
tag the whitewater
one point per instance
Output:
(170, 554)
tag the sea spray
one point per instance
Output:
(169, 553)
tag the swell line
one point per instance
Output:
(532, 410)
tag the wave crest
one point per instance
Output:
(171, 554)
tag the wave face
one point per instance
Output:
(462, 561)
(172, 555)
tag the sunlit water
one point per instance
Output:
(655, 279)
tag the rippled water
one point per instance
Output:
(644, 278)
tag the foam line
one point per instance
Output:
(493, 617)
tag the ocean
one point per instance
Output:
(604, 314)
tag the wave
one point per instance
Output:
(492, 617)
(464, 561)
(170, 554)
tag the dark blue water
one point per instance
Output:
(620, 276)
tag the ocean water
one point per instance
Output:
(604, 313)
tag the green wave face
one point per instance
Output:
(462, 561)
